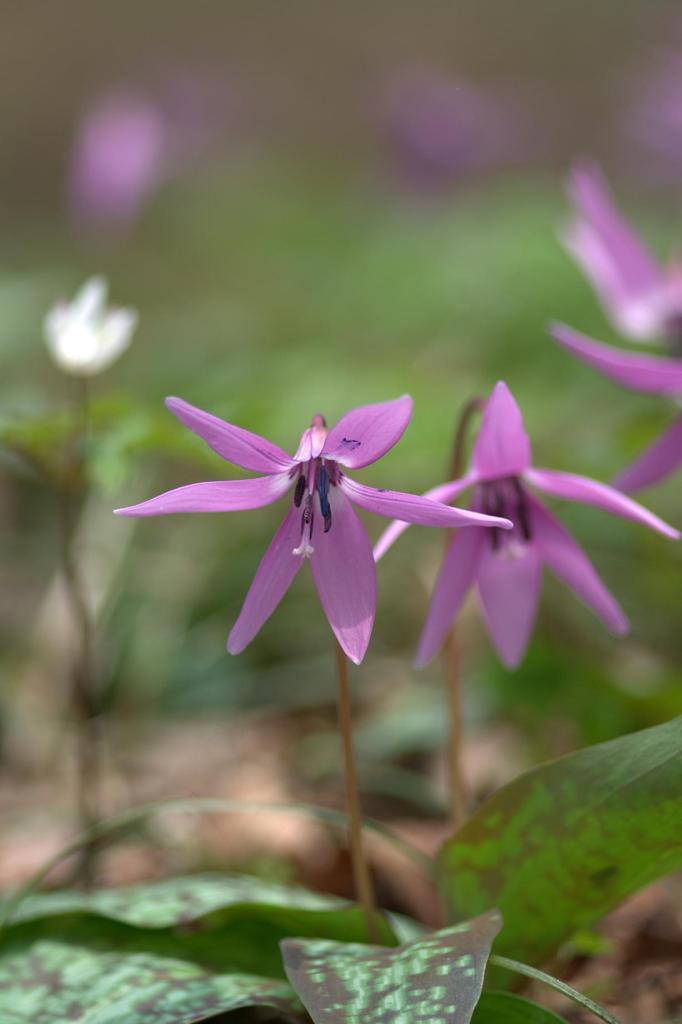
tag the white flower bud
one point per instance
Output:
(84, 337)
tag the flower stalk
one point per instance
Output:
(361, 874)
(457, 792)
(83, 698)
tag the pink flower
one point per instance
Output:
(649, 374)
(507, 568)
(441, 129)
(643, 301)
(133, 139)
(321, 524)
(119, 159)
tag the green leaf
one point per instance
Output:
(220, 921)
(52, 982)
(505, 1008)
(564, 844)
(436, 978)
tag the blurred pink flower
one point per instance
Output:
(647, 374)
(642, 299)
(440, 129)
(131, 140)
(337, 545)
(507, 568)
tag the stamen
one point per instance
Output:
(298, 493)
(323, 494)
(522, 510)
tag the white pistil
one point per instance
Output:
(304, 549)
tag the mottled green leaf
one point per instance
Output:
(505, 1008)
(437, 978)
(564, 844)
(226, 921)
(54, 982)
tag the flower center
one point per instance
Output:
(311, 494)
(506, 497)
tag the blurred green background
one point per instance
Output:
(294, 268)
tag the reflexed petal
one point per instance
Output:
(661, 459)
(271, 582)
(456, 575)
(363, 435)
(213, 496)
(412, 508)
(90, 300)
(239, 446)
(116, 334)
(619, 265)
(648, 374)
(509, 580)
(345, 576)
(560, 552)
(590, 492)
(502, 447)
(443, 493)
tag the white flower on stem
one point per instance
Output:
(84, 336)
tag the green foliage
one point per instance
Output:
(506, 1008)
(564, 844)
(436, 978)
(174, 951)
(52, 981)
(220, 921)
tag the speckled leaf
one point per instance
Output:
(505, 1008)
(564, 844)
(53, 982)
(227, 921)
(437, 978)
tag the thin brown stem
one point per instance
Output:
(83, 669)
(451, 664)
(361, 874)
(469, 410)
(457, 787)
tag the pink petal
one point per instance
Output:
(590, 492)
(213, 496)
(502, 447)
(363, 435)
(239, 446)
(661, 459)
(648, 374)
(444, 493)
(271, 582)
(345, 576)
(509, 580)
(413, 508)
(560, 552)
(620, 266)
(454, 579)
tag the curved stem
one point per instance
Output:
(457, 788)
(559, 986)
(361, 873)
